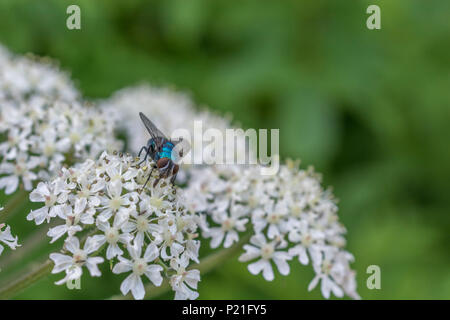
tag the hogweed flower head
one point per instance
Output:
(150, 234)
(144, 230)
(289, 214)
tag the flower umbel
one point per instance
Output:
(121, 215)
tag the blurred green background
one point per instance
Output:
(369, 109)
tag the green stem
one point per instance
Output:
(13, 204)
(206, 265)
(27, 280)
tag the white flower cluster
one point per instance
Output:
(47, 134)
(41, 135)
(288, 214)
(146, 232)
(22, 77)
(42, 124)
(6, 237)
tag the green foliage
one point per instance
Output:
(370, 109)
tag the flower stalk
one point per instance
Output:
(15, 202)
(17, 286)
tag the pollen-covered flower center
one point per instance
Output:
(115, 203)
(296, 211)
(228, 224)
(84, 193)
(267, 251)
(20, 169)
(168, 237)
(306, 240)
(75, 137)
(139, 266)
(273, 217)
(117, 177)
(142, 224)
(156, 202)
(253, 202)
(181, 223)
(112, 235)
(79, 257)
(182, 272)
(72, 220)
(326, 267)
(49, 149)
(50, 200)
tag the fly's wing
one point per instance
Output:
(153, 130)
(181, 148)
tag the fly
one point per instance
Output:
(159, 148)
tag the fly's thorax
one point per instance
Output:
(166, 151)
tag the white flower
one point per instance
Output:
(309, 240)
(72, 218)
(90, 191)
(7, 238)
(141, 226)
(21, 169)
(72, 265)
(227, 230)
(113, 236)
(114, 202)
(155, 202)
(139, 266)
(272, 215)
(324, 270)
(184, 282)
(170, 238)
(53, 195)
(267, 252)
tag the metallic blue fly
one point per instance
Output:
(160, 148)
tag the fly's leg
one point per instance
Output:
(147, 152)
(168, 169)
(174, 173)
(146, 181)
(142, 149)
(172, 179)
